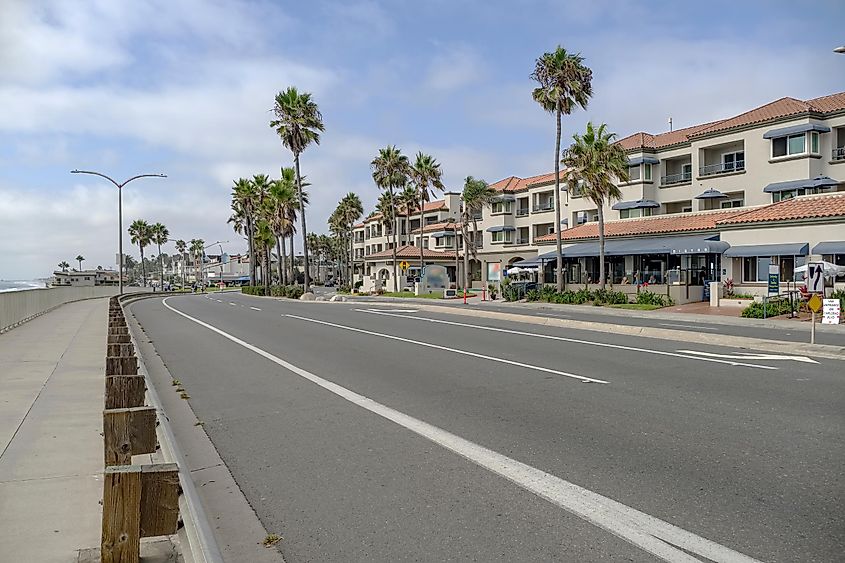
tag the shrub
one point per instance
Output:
(533, 295)
(294, 291)
(344, 288)
(770, 308)
(609, 297)
(839, 294)
(582, 296)
(253, 290)
(650, 298)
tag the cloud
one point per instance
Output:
(454, 68)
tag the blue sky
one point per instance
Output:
(185, 87)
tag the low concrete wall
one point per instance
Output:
(17, 307)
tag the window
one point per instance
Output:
(634, 173)
(647, 172)
(734, 161)
(755, 269)
(502, 236)
(501, 207)
(686, 170)
(789, 194)
(814, 142)
(443, 242)
(793, 144)
(731, 203)
(632, 213)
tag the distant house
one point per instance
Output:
(75, 278)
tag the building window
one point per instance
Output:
(647, 172)
(502, 236)
(814, 142)
(789, 194)
(633, 213)
(755, 269)
(442, 242)
(731, 203)
(634, 173)
(733, 161)
(501, 207)
(785, 146)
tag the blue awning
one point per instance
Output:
(790, 249)
(795, 129)
(830, 247)
(639, 204)
(817, 182)
(441, 234)
(642, 160)
(499, 228)
(652, 245)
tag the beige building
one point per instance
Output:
(74, 278)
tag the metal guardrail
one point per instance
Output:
(838, 154)
(543, 208)
(721, 168)
(670, 179)
(522, 212)
(17, 307)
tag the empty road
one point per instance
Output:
(360, 432)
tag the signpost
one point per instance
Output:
(774, 279)
(815, 277)
(831, 309)
(815, 303)
(403, 265)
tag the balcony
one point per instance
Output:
(543, 207)
(721, 168)
(838, 154)
(520, 240)
(670, 179)
(522, 212)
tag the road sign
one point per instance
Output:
(774, 279)
(831, 309)
(815, 277)
(815, 303)
(404, 265)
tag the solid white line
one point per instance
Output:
(573, 340)
(696, 327)
(455, 350)
(803, 359)
(255, 308)
(218, 301)
(233, 304)
(650, 534)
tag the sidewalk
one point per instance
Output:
(51, 453)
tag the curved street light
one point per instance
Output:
(119, 211)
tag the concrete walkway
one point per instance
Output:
(51, 449)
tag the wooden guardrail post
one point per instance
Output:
(120, 349)
(124, 391)
(128, 432)
(121, 365)
(138, 501)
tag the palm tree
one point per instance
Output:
(352, 210)
(140, 234)
(79, 258)
(476, 194)
(298, 123)
(406, 203)
(283, 197)
(595, 161)
(338, 228)
(64, 265)
(159, 234)
(426, 175)
(263, 243)
(261, 185)
(180, 248)
(390, 172)
(564, 82)
(244, 206)
(197, 249)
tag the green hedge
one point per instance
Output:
(289, 291)
(597, 297)
(772, 308)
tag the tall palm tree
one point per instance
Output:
(64, 265)
(284, 199)
(261, 184)
(338, 228)
(180, 248)
(564, 82)
(426, 175)
(79, 258)
(298, 123)
(140, 234)
(299, 205)
(352, 210)
(598, 163)
(244, 207)
(159, 235)
(197, 249)
(476, 194)
(406, 203)
(263, 243)
(390, 172)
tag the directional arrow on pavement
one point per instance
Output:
(803, 359)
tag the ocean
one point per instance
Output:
(21, 285)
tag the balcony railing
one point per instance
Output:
(522, 240)
(838, 154)
(670, 179)
(522, 212)
(540, 208)
(722, 168)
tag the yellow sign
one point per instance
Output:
(815, 303)
(404, 265)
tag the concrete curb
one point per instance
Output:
(774, 346)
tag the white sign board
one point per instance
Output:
(830, 311)
(815, 277)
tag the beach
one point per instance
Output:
(21, 285)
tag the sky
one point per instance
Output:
(185, 88)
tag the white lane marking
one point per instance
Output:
(395, 310)
(573, 340)
(650, 534)
(219, 301)
(255, 308)
(696, 327)
(233, 304)
(455, 350)
(803, 359)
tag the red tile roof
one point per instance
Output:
(428, 207)
(513, 184)
(657, 224)
(442, 226)
(796, 209)
(411, 252)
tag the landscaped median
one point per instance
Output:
(289, 291)
(645, 300)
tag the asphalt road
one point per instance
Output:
(790, 331)
(361, 433)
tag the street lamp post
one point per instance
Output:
(119, 211)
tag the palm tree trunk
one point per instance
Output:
(268, 277)
(465, 231)
(422, 203)
(251, 245)
(280, 253)
(601, 246)
(559, 266)
(292, 260)
(302, 222)
(393, 229)
(143, 267)
(161, 267)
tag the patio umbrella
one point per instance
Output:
(515, 270)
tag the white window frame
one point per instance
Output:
(500, 207)
(732, 203)
(631, 177)
(501, 237)
(735, 160)
(805, 150)
(814, 146)
(647, 172)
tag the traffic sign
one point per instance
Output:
(815, 277)
(831, 309)
(404, 265)
(815, 303)
(774, 279)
